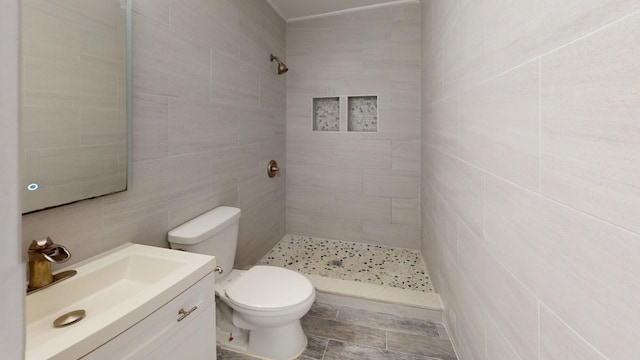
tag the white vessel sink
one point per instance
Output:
(117, 289)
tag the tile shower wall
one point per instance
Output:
(361, 187)
(530, 175)
(208, 114)
(12, 266)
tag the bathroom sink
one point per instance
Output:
(116, 289)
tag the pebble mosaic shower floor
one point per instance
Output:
(373, 264)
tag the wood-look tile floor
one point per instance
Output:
(342, 333)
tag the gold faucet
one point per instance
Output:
(41, 254)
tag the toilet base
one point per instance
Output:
(281, 343)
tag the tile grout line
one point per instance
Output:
(600, 28)
(539, 329)
(577, 334)
(536, 193)
(386, 339)
(501, 334)
(324, 353)
(541, 55)
(540, 125)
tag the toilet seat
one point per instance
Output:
(269, 288)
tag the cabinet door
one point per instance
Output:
(160, 327)
(196, 341)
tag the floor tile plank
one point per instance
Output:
(324, 311)
(421, 345)
(387, 322)
(344, 332)
(315, 348)
(337, 350)
(223, 354)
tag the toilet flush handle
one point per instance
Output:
(218, 269)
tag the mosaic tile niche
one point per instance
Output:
(326, 114)
(362, 114)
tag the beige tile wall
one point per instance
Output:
(12, 265)
(355, 186)
(208, 115)
(531, 175)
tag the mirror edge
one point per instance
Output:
(129, 86)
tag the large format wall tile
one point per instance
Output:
(569, 260)
(518, 31)
(590, 128)
(157, 10)
(464, 189)
(369, 208)
(396, 235)
(498, 347)
(405, 155)
(558, 342)
(199, 126)
(441, 222)
(166, 63)
(529, 175)
(470, 315)
(432, 70)
(151, 128)
(405, 211)
(512, 307)
(443, 15)
(463, 47)
(441, 130)
(500, 125)
(207, 22)
(391, 183)
(234, 82)
(364, 154)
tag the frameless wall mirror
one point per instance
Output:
(75, 100)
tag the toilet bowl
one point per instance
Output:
(269, 302)
(258, 310)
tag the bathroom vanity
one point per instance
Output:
(178, 330)
(141, 302)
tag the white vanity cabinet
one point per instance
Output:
(183, 328)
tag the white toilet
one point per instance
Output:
(258, 310)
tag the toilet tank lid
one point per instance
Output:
(204, 226)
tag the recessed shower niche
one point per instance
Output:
(362, 113)
(326, 114)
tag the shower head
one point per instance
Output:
(282, 68)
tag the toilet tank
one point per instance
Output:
(212, 233)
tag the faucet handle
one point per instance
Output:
(38, 245)
(51, 252)
(58, 254)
